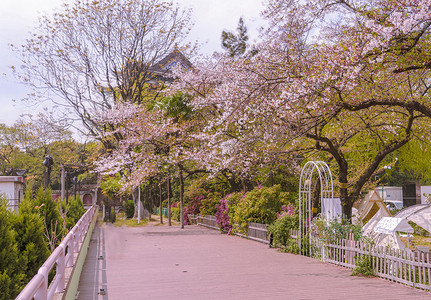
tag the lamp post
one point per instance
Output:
(48, 162)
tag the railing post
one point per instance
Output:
(61, 269)
(70, 251)
(42, 291)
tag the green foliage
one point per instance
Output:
(75, 211)
(291, 246)
(409, 166)
(208, 191)
(175, 106)
(129, 207)
(32, 246)
(280, 230)
(232, 201)
(9, 260)
(329, 233)
(49, 211)
(111, 185)
(7, 290)
(418, 229)
(364, 266)
(260, 205)
(235, 44)
(175, 213)
(209, 204)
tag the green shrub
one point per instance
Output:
(175, 211)
(259, 205)
(129, 208)
(364, 266)
(209, 204)
(280, 229)
(75, 211)
(291, 246)
(329, 233)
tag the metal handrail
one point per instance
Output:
(39, 288)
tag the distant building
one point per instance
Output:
(12, 187)
(87, 192)
(161, 71)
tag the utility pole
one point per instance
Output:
(139, 204)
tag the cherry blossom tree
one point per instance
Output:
(328, 76)
(156, 138)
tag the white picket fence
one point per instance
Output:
(412, 268)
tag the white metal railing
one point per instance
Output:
(39, 288)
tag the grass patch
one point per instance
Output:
(123, 221)
(418, 240)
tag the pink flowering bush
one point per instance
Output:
(225, 209)
(222, 216)
(193, 207)
(286, 210)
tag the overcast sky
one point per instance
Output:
(19, 17)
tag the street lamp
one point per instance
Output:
(48, 162)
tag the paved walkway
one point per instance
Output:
(197, 263)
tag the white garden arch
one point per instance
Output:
(305, 195)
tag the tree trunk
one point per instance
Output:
(315, 197)
(181, 198)
(135, 204)
(345, 200)
(150, 200)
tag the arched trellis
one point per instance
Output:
(305, 194)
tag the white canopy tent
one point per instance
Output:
(387, 232)
(384, 230)
(420, 214)
(388, 225)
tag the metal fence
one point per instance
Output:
(63, 256)
(208, 221)
(254, 231)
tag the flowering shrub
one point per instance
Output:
(222, 216)
(286, 210)
(225, 207)
(193, 207)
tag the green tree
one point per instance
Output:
(9, 260)
(235, 43)
(74, 211)
(49, 212)
(31, 243)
